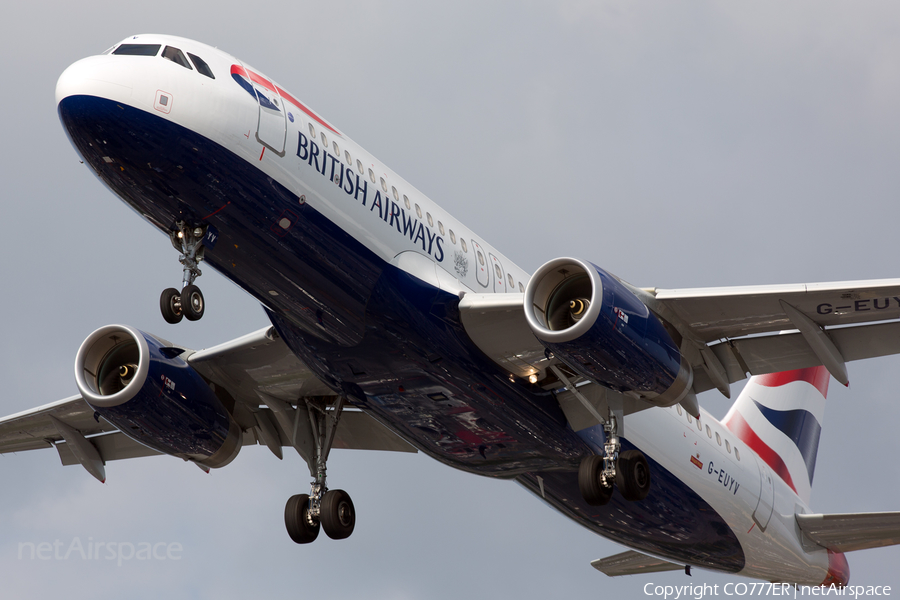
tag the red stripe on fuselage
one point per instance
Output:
(310, 113)
(817, 376)
(736, 423)
(257, 78)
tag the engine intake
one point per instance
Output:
(145, 388)
(592, 322)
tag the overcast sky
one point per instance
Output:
(677, 144)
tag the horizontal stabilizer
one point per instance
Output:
(852, 531)
(632, 563)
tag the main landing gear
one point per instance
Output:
(331, 510)
(188, 303)
(629, 470)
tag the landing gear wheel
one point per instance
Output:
(590, 482)
(170, 306)
(337, 514)
(633, 475)
(296, 520)
(192, 303)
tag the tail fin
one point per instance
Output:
(779, 416)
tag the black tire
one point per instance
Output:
(295, 520)
(633, 475)
(192, 303)
(589, 483)
(170, 306)
(337, 514)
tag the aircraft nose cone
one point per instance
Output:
(102, 76)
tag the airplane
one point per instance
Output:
(395, 327)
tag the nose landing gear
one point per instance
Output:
(188, 303)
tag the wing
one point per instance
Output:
(831, 322)
(632, 563)
(852, 531)
(727, 333)
(256, 371)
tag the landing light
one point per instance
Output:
(532, 378)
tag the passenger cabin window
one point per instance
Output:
(406, 201)
(324, 142)
(512, 282)
(430, 220)
(312, 132)
(441, 227)
(137, 50)
(521, 288)
(678, 408)
(718, 438)
(177, 57)
(201, 65)
(372, 175)
(383, 185)
(462, 243)
(418, 211)
(337, 151)
(737, 454)
(728, 446)
(347, 157)
(359, 167)
(396, 194)
(452, 236)
(699, 426)
(708, 432)
(480, 257)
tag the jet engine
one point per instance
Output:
(143, 386)
(595, 324)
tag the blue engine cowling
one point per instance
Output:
(596, 325)
(144, 387)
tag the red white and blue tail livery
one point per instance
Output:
(779, 416)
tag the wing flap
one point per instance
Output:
(110, 446)
(717, 313)
(359, 431)
(632, 563)
(34, 429)
(851, 531)
(774, 353)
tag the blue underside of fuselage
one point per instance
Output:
(392, 343)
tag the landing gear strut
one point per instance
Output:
(189, 303)
(629, 470)
(332, 510)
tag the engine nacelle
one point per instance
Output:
(142, 386)
(597, 326)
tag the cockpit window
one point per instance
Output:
(201, 65)
(177, 57)
(137, 49)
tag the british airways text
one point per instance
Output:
(389, 211)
